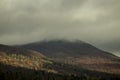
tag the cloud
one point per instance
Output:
(93, 21)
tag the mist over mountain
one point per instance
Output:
(59, 39)
(93, 21)
(77, 53)
(66, 48)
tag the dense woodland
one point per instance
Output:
(8, 72)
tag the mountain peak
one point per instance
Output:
(66, 48)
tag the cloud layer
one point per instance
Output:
(93, 21)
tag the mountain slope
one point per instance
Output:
(78, 53)
(75, 48)
(23, 64)
(19, 57)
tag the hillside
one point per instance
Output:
(19, 57)
(64, 48)
(78, 53)
(23, 64)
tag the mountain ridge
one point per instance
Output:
(19, 60)
(58, 44)
(76, 53)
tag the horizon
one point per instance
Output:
(93, 21)
(114, 53)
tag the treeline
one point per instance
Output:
(17, 73)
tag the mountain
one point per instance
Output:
(15, 50)
(24, 64)
(20, 57)
(65, 48)
(78, 53)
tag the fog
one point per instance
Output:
(92, 21)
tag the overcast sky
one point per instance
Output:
(93, 21)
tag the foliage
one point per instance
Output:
(19, 60)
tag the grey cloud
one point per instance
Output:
(93, 21)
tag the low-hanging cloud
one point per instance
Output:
(93, 21)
